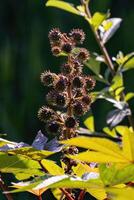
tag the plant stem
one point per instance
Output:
(40, 197)
(81, 195)
(105, 54)
(4, 188)
(67, 194)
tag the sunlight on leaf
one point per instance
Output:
(62, 5)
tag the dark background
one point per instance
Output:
(25, 53)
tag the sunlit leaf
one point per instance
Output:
(91, 156)
(89, 122)
(97, 19)
(120, 193)
(63, 5)
(129, 96)
(31, 153)
(108, 33)
(112, 175)
(110, 132)
(20, 166)
(52, 167)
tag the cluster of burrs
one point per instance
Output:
(69, 90)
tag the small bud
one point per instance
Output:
(67, 47)
(66, 69)
(77, 67)
(45, 114)
(77, 82)
(47, 78)
(78, 108)
(54, 35)
(53, 127)
(89, 83)
(70, 122)
(83, 55)
(61, 84)
(56, 50)
(77, 35)
(61, 100)
(86, 100)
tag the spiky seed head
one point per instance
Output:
(45, 114)
(53, 127)
(89, 83)
(66, 69)
(70, 122)
(67, 47)
(86, 100)
(61, 84)
(77, 35)
(83, 55)
(55, 35)
(78, 108)
(61, 100)
(77, 82)
(56, 50)
(48, 78)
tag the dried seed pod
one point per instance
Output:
(48, 78)
(70, 122)
(86, 100)
(78, 108)
(56, 50)
(61, 84)
(61, 100)
(55, 35)
(53, 127)
(77, 35)
(83, 55)
(77, 67)
(89, 83)
(66, 69)
(45, 114)
(77, 82)
(67, 47)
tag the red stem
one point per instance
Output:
(4, 188)
(67, 194)
(81, 195)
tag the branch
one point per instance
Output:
(105, 54)
(4, 188)
(81, 195)
(67, 194)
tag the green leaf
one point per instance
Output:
(129, 62)
(128, 143)
(91, 156)
(110, 132)
(62, 181)
(93, 65)
(31, 153)
(52, 167)
(89, 123)
(97, 19)
(63, 5)
(117, 82)
(112, 175)
(18, 165)
(124, 193)
(98, 144)
(129, 96)
(109, 27)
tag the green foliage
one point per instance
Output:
(111, 153)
